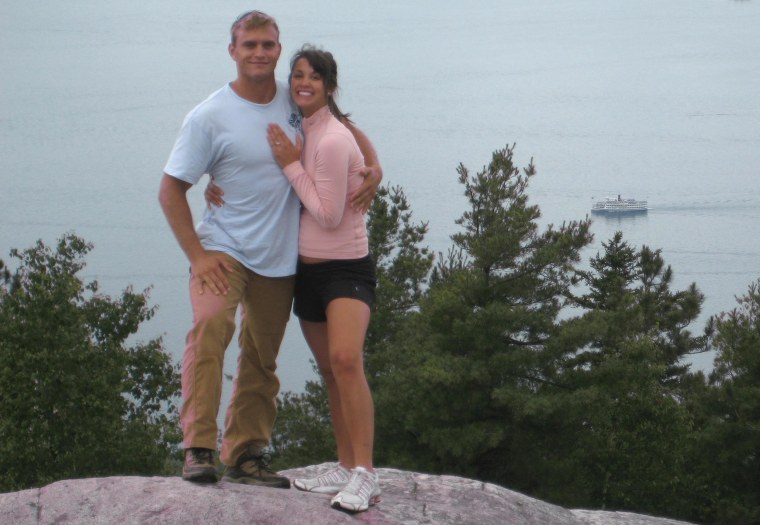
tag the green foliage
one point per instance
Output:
(469, 361)
(77, 401)
(727, 461)
(402, 265)
(303, 434)
(617, 396)
(605, 427)
(629, 296)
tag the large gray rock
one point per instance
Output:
(408, 498)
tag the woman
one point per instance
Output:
(335, 279)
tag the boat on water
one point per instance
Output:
(618, 205)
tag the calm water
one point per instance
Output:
(649, 99)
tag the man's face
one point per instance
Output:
(256, 52)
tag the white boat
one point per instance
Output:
(618, 205)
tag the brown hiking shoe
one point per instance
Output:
(252, 469)
(199, 466)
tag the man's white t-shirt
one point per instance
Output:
(226, 137)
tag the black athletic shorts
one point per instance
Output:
(319, 283)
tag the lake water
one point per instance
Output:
(651, 99)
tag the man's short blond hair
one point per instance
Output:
(252, 20)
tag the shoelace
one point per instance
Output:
(262, 462)
(334, 475)
(202, 456)
(359, 484)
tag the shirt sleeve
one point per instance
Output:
(191, 155)
(323, 193)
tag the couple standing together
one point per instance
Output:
(291, 230)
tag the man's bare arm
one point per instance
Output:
(207, 268)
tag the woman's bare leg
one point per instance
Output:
(347, 322)
(316, 337)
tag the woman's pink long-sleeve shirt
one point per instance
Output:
(329, 171)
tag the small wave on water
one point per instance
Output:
(713, 203)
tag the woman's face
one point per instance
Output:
(307, 88)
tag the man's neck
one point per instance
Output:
(259, 92)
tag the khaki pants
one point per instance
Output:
(265, 309)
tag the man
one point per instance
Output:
(243, 253)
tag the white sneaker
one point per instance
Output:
(361, 491)
(331, 482)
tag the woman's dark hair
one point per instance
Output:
(324, 64)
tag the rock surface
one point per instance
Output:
(408, 498)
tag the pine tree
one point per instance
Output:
(468, 361)
(727, 454)
(618, 402)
